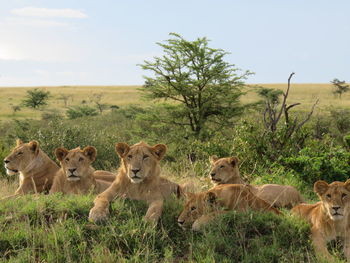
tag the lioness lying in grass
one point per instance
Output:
(203, 207)
(329, 218)
(226, 171)
(139, 179)
(76, 175)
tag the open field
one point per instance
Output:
(306, 94)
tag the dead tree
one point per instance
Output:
(273, 116)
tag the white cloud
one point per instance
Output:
(33, 22)
(49, 12)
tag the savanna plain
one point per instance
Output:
(55, 228)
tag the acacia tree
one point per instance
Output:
(36, 98)
(206, 89)
(340, 87)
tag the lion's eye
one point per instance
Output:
(328, 195)
(67, 159)
(19, 153)
(129, 156)
(193, 208)
(343, 195)
(222, 166)
(145, 156)
(81, 159)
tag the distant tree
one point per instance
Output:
(15, 108)
(206, 89)
(64, 98)
(340, 87)
(36, 98)
(96, 98)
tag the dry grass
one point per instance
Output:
(306, 94)
(7, 187)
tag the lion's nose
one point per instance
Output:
(6, 161)
(72, 170)
(212, 174)
(336, 207)
(135, 171)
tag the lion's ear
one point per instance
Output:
(233, 161)
(211, 198)
(159, 150)
(213, 159)
(320, 187)
(90, 152)
(347, 185)
(122, 149)
(19, 142)
(34, 146)
(61, 153)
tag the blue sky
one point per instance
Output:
(100, 42)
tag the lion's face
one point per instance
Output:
(196, 205)
(335, 198)
(21, 157)
(76, 163)
(140, 160)
(223, 169)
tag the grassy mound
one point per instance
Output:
(55, 229)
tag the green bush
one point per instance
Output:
(311, 164)
(80, 111)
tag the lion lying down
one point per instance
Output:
(203, 207)
(36, 170)
(226, 171)
(76, 175)
(139, 179)
(329, 218)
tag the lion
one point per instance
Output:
(76, 175)
(203, 207)
(138, 179)
(226, 171)
(329, 218)
(36, 170)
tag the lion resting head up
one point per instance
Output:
(22, 157)
(335, 198)
(140, 161)
(225, 170)
(76, 163)
(329, 218)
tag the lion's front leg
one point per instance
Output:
(100, 210)
(204, 219)
(154, 211)
(320, 247)
(347, 248)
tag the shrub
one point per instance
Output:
(80, 111)
(312, 164)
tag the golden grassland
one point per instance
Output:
(306, 94)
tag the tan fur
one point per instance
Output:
(139, 179)
(76, 175)
(201, 208)
(36, 170)
(226, 171)
(328, 223)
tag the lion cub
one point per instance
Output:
(329, 218)
(226, 171)
(139, 179)
(36, 170)
(201, 208)
(76, 175)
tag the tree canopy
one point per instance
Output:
(204, 89)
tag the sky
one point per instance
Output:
(101, 42)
